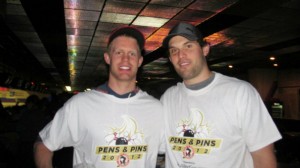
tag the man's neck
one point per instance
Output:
(200, 78)
(121, 87)
(202, 84)
(106, 89)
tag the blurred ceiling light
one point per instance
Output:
(68, 88)
(149, 21)
(272, 58)
(116, 18)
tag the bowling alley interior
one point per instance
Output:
(52, 50)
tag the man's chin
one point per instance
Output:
(126, 78)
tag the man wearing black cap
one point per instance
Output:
(212, 120)
(112, 125)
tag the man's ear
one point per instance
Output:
(141, 60)
(206, 50)
(170, 58)
(107, 58)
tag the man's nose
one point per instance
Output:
(181, 53)
(125, 56)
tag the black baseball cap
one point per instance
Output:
(128, 31)
(186, 30)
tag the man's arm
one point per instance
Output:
(264, 157)
(42, 155)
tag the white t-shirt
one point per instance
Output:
(107, 131)
(216, 126)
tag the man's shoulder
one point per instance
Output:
(81, 96)
(178, 86)
(146, 96)
(233, 83)
(174, 89)
(230, 80)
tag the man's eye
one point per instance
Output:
(173, 51)
(132, 54)
(189, 45)
(118, 52)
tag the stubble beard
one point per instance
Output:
(187, 74)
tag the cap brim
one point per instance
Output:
(168, 38)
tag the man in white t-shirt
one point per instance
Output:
(114, 125)
(212, 120)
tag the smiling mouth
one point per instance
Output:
(125, 67)
(183, 64)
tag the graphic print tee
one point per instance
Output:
(107, 131)
(216, 126)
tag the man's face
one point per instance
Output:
(124, 59)
(188, 58)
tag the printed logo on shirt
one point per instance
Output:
(124, 143)
(122, 160)
(193, 136)
(188, 152)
